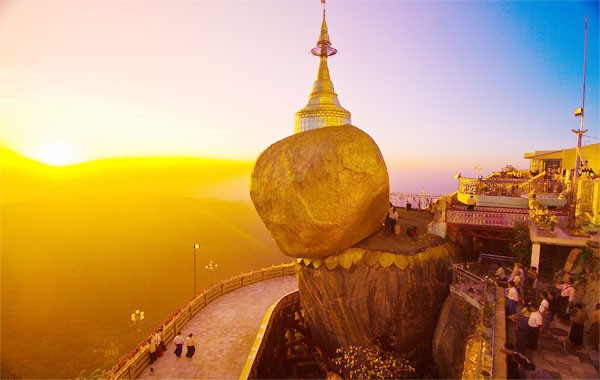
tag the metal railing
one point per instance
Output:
(495, 217)
(471, 282)
(416, 200)
(133, 364)
(511, 187)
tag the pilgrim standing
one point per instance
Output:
(500, 274)
(544, 309)
(471, 203)
(553, 310)
(511, 299)
(534, 324)
(393, 218)
(518, 276)
(191, 346)
(566, 297)
(522, 330)
(159, 348)
(577, 320)
(178, 340)
(595, 327)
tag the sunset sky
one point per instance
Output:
(440, 86)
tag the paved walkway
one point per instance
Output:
(563, 361)
(225, 331)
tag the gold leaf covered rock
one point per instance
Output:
(321, 191)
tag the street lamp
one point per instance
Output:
(211, 267)
(196, 246)
(137, 316)
(477, 168)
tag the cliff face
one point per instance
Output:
(451, 336)
(370, 298)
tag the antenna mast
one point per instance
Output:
(580, 111)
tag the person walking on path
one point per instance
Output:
(178, 340)
(191, 346)
(152, 349)
(577, 320)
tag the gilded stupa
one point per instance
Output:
(323, 108)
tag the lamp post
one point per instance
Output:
(137, 317)
(210, 268)
(196, 246)
(477, 168)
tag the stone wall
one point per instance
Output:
(455, 325)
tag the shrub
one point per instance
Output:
(366, 363)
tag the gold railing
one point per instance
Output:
(133, 364)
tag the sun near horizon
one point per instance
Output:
(57, 154)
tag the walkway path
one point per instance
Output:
(224, 331)
(566, 360)
(563, 361)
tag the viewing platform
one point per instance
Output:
(224, 320)
(224, 332)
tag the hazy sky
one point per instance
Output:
(440, 86)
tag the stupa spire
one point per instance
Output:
(323, 108)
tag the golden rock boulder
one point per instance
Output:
(321, 191)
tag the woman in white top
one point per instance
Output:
(534, 323)
(566, 297)
(544, 308)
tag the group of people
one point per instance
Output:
(524, 280)
(157, 346)
(533, 312)
(585, 170)
(189, 342)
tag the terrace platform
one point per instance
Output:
(224, 331)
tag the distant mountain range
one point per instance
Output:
(84, 246)
(26, 179)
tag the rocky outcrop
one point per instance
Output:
(321, 191)
(376, 299)
(451, 336)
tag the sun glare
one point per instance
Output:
(57, 154)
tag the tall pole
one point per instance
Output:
(580, 112)
(196, 246)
